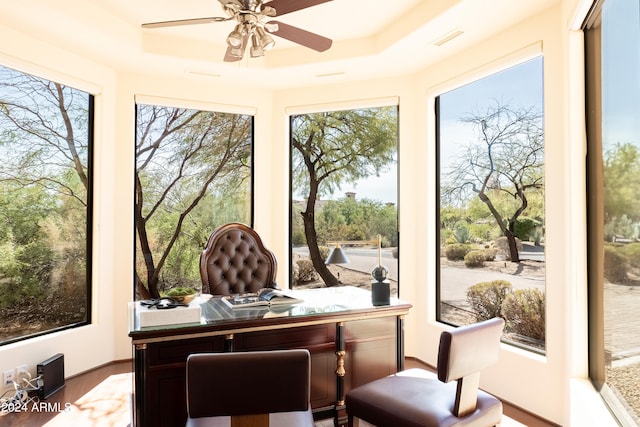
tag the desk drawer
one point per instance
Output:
(170, 352)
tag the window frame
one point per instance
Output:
(195, 106)
(514, 60)
(89, 241)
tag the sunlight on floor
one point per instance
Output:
(104, 406)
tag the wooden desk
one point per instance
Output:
(351, 343)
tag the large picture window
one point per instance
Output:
(193, 174)
(491, 217)
(612, 39)
(344, 194)
(45, 205)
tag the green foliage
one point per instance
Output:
(350, 219)
(44, 184)
(524, 312)
(631, 252)
(462, 234)
(503, 169)
(615, 264)
(622, 182)
(342, 146)
(457, 251)
(192, 175)
(486, 298)
(620, 227)
(474, 259)
(525, 227)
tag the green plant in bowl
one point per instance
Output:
(182, 294)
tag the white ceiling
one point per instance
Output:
(371, 38)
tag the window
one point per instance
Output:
(490, 142)
(344, 192)
(45, 205)
(193, 174)
(612, 41)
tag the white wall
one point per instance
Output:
(536, 383)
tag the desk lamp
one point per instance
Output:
(337, 256)
(380, 286)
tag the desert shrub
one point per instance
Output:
(524, 312)
(632, 253)
(306, 272)
(456, 251)
(324, 251)
(474, 259)
(486, 298)
(503, 246)
(615, 265)
(490, 254)
(462, 234)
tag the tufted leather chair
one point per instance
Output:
(235, 261)
(255, 388)
(416, 398)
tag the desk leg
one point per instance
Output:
(340, 410)
(400, 343)
(228, 343)
(139, 382)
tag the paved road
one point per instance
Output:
(364, 260)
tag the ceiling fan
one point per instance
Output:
(253, 24)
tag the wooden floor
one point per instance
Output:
(101, 397)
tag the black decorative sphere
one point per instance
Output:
(380, 273)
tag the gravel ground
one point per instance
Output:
(624, 380)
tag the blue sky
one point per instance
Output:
(621, 84)
(518, 86)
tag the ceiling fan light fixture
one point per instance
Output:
(256, 47)
(272, 27)
(234, 39)
(265, 40)
(268, 11)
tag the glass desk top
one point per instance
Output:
(315, 303)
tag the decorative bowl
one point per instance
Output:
(181, 294)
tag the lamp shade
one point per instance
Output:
(337, 256)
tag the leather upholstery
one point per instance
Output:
(417, 397)
(465, 351)
(221, 385)
(235, 261)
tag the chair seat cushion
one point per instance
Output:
(280, 419)
(416, 398)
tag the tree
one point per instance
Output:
(44, 199)
(333, 147)
(507, 159)
(184, 158)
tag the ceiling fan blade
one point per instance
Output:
(184, 22)
(302, 37)
(287, 6)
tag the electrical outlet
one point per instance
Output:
(8, 377)
(22, 370)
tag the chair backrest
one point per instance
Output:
(248, 383)
(235, 261)
(463, 353)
